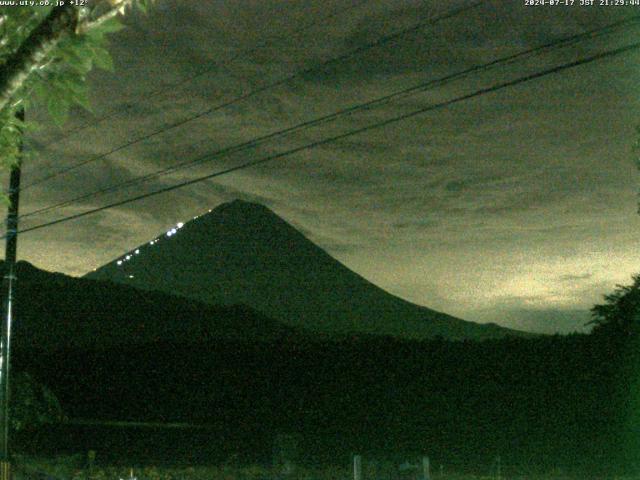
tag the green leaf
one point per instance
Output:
(84, 56)
(102, 58)
(61, 81)
(58, 109)
(110, 26)
(82, 98)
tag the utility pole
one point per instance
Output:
(8, 287)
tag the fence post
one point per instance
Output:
(357, 467)
(426, 474)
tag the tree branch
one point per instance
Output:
(33, 52)
(13, 74)
(116, 7)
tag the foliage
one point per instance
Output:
(70, 467)
(636, 151)
(66, 468)
(57, 81)
(620, 314)
(542, 402)
(10, 134)
(32, 404)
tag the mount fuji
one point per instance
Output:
(243, 253)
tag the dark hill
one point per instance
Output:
(243, 253)
(58, 311)
(112, 352)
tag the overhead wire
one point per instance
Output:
(363, 48)
(332, 139)
(173, 87)
(412, 90)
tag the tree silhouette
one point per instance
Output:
(33, 404)
(620, 314)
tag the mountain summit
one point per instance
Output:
(243, 253)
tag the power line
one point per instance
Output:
(179, 84)
(381, 41)
(325, 141)
(421, 87)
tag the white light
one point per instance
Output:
(169, 233)
(127, 257)
(151, 242)
(173, 230)
(180, 225)
(130, 276)
(119, 262)
(137, 251)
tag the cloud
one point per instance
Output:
(574, 278)
(528, 193)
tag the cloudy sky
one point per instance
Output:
(518, 206)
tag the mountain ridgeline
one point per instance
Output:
(56, 311)
(111, 351)
(242, 253)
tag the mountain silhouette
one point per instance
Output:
(55, 311)
(243, 253)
